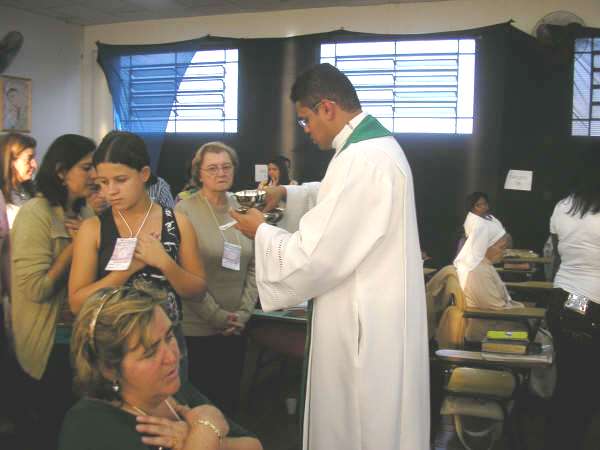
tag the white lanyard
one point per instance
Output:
(141, 226)
(217, 221)
(232, 254)
(125, 247)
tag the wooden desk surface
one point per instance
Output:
(506, 313)
(529, 272)
(283, 332)
(532, 260)
(293, 315)
(535, 285)
(495, 359)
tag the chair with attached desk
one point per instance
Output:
(452, 324)
(521, 265)
(479, 386)
(538, 292)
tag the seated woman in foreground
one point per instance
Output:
(126, 363)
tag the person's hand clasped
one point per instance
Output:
(234, 326)
(248, 222)
(160, 432)
(135, 266)
(72, 225)
(151, 251)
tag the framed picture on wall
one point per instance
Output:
(15, 104)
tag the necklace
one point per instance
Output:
(143, 413)
(141, 226)
(21, 193)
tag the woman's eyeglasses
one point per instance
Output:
(214, 170)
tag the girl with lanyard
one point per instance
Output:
(136, 242)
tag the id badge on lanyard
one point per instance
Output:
(122, 254)
(232, 254)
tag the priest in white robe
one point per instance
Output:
(356, 254)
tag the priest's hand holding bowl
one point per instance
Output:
(273, 197)
(248, 222)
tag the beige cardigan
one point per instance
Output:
(228, 290)
(38, 236)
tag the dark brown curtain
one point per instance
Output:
(522, 121)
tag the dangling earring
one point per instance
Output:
(115, 386)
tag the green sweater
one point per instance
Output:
(38, 236)
(228, 290)
(98, 425)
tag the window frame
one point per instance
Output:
(589, 121)
(428, 56)
(178, 77)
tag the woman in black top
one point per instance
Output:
(126, 358)
(148, 246)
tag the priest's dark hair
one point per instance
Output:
(123, 147)
(324, 81)
(62, 155)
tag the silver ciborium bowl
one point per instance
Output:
(250, 198)
(255, 198)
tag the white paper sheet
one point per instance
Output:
(519, 180)
(260, 172)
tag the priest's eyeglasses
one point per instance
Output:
(214, 170)
(303, 122)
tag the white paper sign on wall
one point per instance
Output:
(519, 180)
(260, 172)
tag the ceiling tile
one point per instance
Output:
(79, 14)
(202, 3)
(40, 4)
(94, 12)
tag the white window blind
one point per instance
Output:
(197, 97)
(586, 88)
(411, 86)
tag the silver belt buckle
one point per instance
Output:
(577, 303)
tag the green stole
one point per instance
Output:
(368, 128)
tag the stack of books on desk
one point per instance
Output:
(513, 342)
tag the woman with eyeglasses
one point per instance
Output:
(41, 253)
(214, 327)
(135, 242)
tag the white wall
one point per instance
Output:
(51, 57)
(397, 18)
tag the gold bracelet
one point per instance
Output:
(212, 426)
